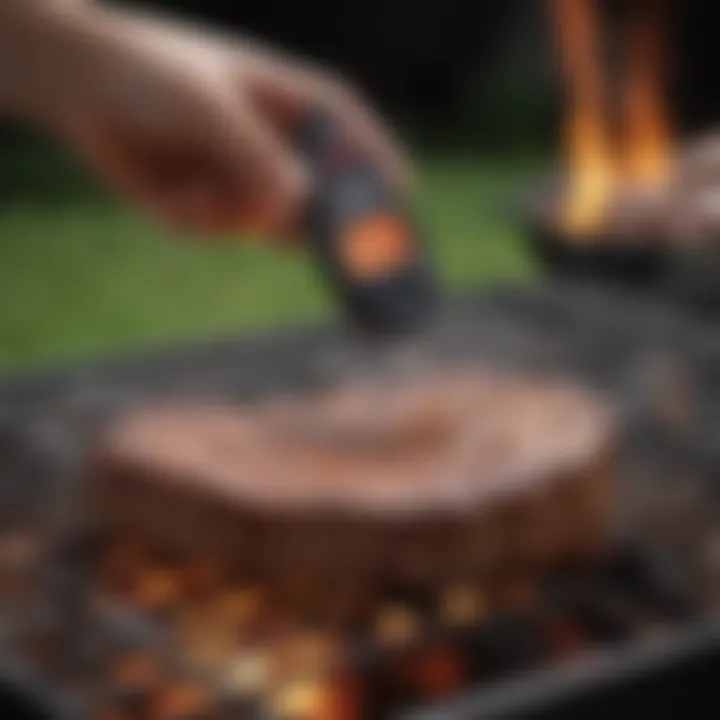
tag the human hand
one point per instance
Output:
(192, 126)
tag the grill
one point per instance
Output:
(635, 261)
(645, 610)
(684, 270)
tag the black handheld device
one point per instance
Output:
(363, 235)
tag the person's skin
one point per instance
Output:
(193, 126)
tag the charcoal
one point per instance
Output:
(239, 709)
(609, 617)
(128, 704)
(506, 644)
(656, 580)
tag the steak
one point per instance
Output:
(420, 480)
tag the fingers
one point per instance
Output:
(269, 181)
(127, 167)
(230, 174)
(98, 145)
(365, 127)
(130, 168)
(226, 167)
(289, 91)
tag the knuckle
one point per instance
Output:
(337, 89)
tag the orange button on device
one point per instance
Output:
(374, 245)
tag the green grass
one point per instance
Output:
(82, 276)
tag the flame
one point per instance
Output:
(595, 169)
(590, 176)
(647, 128)
(588, 156)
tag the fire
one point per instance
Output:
(647, 131)
(590, 170)
(595, 169)
(590, 176)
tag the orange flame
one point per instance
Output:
(589, 166)
(594, 171)
(647, 129)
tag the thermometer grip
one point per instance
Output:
(362, 234)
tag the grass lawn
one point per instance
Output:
(80, 275)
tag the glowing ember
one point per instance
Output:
(463, 605)
(248, 673)
(180, 701)
(435, 673)
(135, 670)
(397, 625)
(158, 589)
(306, 700)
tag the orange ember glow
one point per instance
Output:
(595, 169)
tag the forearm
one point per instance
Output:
(43, 54)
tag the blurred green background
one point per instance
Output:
(82, 274)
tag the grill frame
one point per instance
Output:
(601, 256)
(687, 273)
(303, 357)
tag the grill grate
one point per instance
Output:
(657, 364)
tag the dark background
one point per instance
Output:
(467, 70)
(448, 69)
(477, 73)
